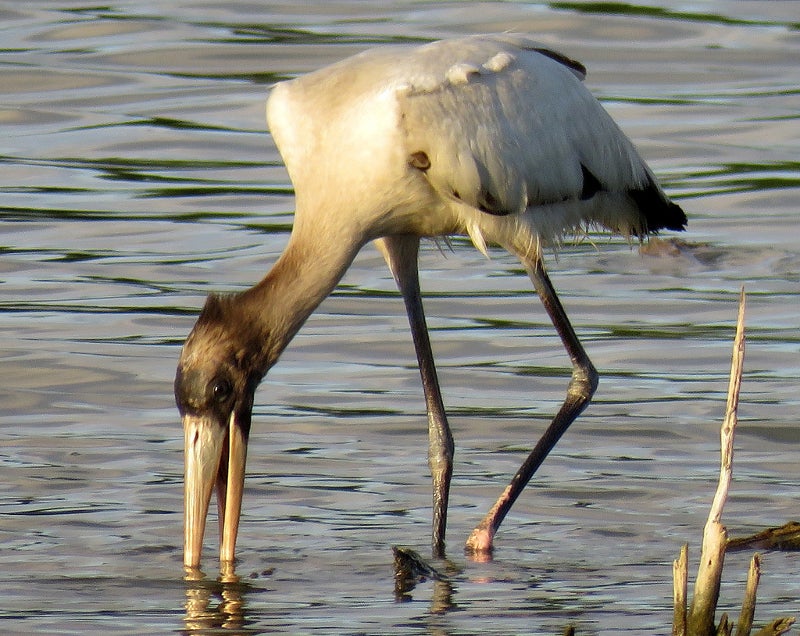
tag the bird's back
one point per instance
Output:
(494, 135)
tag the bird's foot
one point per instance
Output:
(480, 544)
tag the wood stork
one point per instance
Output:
(494, 137)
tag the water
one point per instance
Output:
(137, 177)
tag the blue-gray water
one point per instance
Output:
(137, 176)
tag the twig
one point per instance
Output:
(785, 537)
(777, 627)
(680, 578)
(700, 618)
(712, 555)
(745, 623)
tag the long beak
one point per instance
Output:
(213, 455)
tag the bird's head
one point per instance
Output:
(221, 364)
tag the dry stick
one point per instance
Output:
(785, 537)
(712, 555)
(777, 627)
(680, 578)
(745, 623)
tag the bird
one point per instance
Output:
(492, 137)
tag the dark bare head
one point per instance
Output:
(236, 340)
(221, 364)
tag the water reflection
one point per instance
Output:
(410, 568)
(216, 604)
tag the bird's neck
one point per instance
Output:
(304, 275)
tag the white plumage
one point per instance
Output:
(506, 127)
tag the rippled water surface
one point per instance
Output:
(137, 176)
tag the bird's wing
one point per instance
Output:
(510, 126)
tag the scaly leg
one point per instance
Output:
(401, 254)
(581, 388)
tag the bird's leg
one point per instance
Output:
(401, 254)
(581, 388)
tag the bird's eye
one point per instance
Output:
(222, 390)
